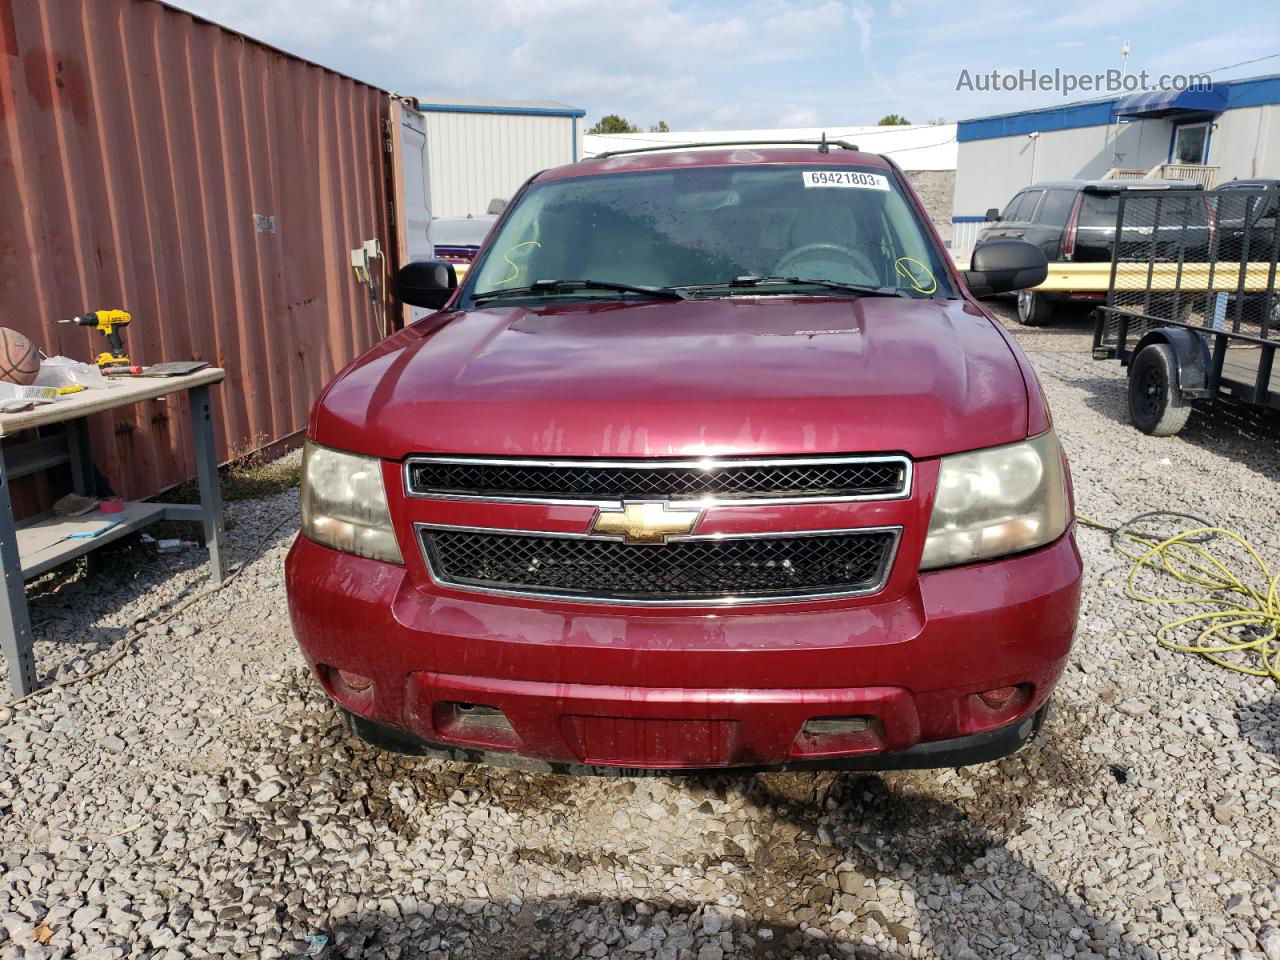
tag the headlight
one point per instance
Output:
(994, 502)
(344, 505)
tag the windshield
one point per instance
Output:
(704, 227)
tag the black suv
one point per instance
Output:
(1258, 209)
(1075, 220)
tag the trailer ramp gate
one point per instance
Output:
(1204, 262)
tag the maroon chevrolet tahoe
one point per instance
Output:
(712, 461)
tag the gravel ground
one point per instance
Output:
(201, 798)
(1071, 330)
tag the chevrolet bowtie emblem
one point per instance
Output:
(645, 521)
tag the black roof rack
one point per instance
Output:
(820, 144)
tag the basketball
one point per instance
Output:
(19, 358)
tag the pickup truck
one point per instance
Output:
(713, 460)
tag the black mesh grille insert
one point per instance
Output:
(861, 478)
(681, 570)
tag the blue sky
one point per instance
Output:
(706, 64)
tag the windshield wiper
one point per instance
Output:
(857, 288)
(550, 286)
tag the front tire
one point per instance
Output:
(1034, 310)
(1156, 404)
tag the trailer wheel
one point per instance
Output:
(1034, 310)
(1156, 404)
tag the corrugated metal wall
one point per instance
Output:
(963, 236)
(475, 157)
(207, 183)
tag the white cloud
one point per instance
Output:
(864, 17)
(1209, 52)
(1083, 18)
(797, 116)
(649, 60)
(297, 23)
(700, 64)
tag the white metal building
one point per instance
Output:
(1229, 131)
(914, 147)
(479, 150)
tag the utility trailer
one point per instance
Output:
(1192, 320)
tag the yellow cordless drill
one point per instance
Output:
(108, 323)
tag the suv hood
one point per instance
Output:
(752, 376)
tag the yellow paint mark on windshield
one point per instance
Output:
(917, 274)
(515, 267)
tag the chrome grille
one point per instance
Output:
(817, 478)
(688, 570)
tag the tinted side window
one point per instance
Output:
(1030, 201)
(1261, 205)
(1098, 210)
(1012, 208)
(1056, 207)
(1183, 212)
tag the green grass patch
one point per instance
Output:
(248, 476)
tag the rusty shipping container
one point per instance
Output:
(211, 185)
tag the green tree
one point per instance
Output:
(613, 124)
(894, 120)
(660, 127)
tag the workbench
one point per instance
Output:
(35, 546)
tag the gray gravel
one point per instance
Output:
(201, 798)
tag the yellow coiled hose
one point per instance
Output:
(1240, 628)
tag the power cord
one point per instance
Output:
(1243, 619)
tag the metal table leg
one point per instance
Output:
(83, 480)
(15, 622)
(207, 473)
(83, 475)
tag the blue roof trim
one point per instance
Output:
(1253, 93)
(1256, 92)
(1095, 113)
(501, 111)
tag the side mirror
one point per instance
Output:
(993, 214)
(426, 283)
(1004, 265)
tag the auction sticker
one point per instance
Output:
(845, 178)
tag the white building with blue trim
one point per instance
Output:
(478, 150)
(1228, 131)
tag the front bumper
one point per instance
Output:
(584, 687)
(976, 748)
